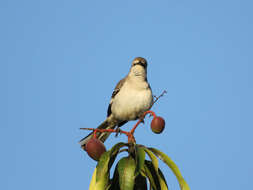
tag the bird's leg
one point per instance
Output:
(118, 131)
(141, 118)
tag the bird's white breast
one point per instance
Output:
(132, 100)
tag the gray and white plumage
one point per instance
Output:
(131, 97)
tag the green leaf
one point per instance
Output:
(154, 160)
(108, 187)
(173, 167)
(140, 158)
(151, 174)
(104, 165)
(162, 176)
(163, 183)
(126, 168)
(102, 175)
(93, 180)
(140, 183)
(114, 152)
(115, 180)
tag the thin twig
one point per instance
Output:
(128, 134)
(91, 129)
(157, 98)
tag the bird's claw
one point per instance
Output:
(118, 131)
(141, 118)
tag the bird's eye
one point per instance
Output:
(136, 61)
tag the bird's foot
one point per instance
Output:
(141, 118)
(118, 131)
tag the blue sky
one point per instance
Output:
(60, 61)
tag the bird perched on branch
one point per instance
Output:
(131, 97)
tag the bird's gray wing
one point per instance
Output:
(115, 91)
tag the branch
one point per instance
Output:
(157, 98)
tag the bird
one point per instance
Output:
(131, 97)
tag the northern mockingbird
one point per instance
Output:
(131, 97)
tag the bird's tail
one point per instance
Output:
(107, 124)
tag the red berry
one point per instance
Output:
(157, 125)
(95, 148)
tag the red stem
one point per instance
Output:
(142, 118)
(128, 134)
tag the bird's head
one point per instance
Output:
(140, 61)
(139, 68)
